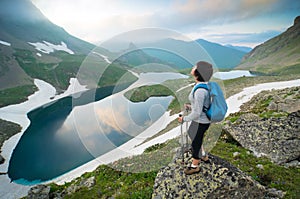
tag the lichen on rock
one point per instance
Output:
(217, 179)
(268, 125)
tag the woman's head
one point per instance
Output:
(202, 71)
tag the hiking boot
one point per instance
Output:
(205, 159)
(191, 170)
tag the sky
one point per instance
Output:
(236, 22)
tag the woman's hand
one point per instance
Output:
(180, 119)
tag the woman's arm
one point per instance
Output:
(197, 106)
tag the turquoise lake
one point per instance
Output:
(72, 131)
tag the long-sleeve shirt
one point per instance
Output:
(199, 99)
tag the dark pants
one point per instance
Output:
(196, 133)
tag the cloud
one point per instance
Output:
(197, 13)
(101, 20)
(244, 39)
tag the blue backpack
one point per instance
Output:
(217, 110)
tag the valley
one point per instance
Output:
(79, 119)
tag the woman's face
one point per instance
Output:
(193, 71)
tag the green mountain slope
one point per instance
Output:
(22, 22)
(279, 55)
(22, 27)
(31, 47)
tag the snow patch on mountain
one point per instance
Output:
(5, 43)
(47, 47)
(103, 57)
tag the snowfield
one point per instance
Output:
(5, 43)
(104, 57)
(130, 148)
(47, 47)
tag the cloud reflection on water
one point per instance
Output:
(110, 122)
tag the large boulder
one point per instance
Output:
(269, 125)
(217, 179)
(277, 138)
(39, 192)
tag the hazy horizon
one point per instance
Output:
(241, 23)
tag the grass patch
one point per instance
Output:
(56, 73)
(120, 75)
(272, 176)
(269, 114)
(169, 127)
(233, 117)
(111, 183)
(234, 86)
(262, 105)
(144, 92)
(155, 147)
(131, 177)
(16, 95)
(8, 129)
(155, 158)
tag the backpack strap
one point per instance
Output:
(204, 86)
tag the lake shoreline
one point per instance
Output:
(132, 147)
(17, 113)
(46, 94)
(13, 190)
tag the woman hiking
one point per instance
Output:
(202, 73)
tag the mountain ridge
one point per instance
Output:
(22, 21)
(222, 56)
(279, 55)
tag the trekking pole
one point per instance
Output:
(186, 133)
(181, 132)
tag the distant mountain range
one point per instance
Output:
(184, 54)
(223, 56)
(240, 48)
(277, 56)
(31, 47)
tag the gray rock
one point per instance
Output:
(260, 166)
(274, 193)
(72, 189)
(277, 138)
(217, 179)
(235, 154)
(292, 106)
(285, 100)
(294, 163)
(89, 183)
(39, 192)
(273, 106)
(2, 160)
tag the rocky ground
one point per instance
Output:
(217, 179)
(44, 191)
(269, 125)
